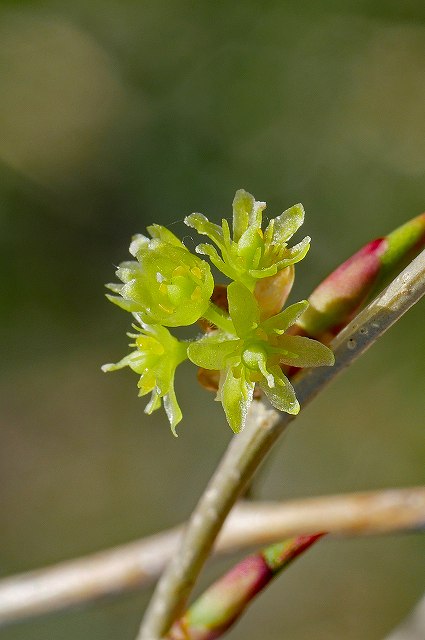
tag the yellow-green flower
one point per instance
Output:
(166, 284)
(155, 359)
(251, 254)
(254, 355)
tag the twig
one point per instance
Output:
(138, 564)
(225, 601)
(413, 627)
(246, 451)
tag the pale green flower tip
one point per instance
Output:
(331, 359)
(241, 194)
(235, 427)
(302, 248)
(294, 409)
(173, 411)
(235, 422)
(297, 212)
(195, 219)
(203, 249)
(115, 287)
(126, 305)
(188, 220)
(159, 232)
(108, 367)
(173, 425)
(138, 241)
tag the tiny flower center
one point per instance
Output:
(252, 355)
(183, 284)
(150, 346)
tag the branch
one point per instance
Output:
(413, 627)
(138, 564)
(246, 451)
(224, 602)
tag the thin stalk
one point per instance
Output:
(246, 451)
(220, 318)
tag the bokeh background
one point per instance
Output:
(116, 114)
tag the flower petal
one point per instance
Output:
(210, 251)
(212, 351)
(304, 352)
(128, 270)
(165, 235)
(127, 305)
(243, 203)
(236, 396)
(282, 395)
(266, 272)
(285, 225)
(115, 287)
(282, 321)
(131, 360)
(138, 243)
(203, 226)
(154, 403)
(243, 308)
(295, 254)
(172, 408)
(250, 245)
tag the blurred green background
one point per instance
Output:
(115, 114)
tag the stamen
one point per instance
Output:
(196, 272)
(166, 309)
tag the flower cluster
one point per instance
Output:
(246, 342)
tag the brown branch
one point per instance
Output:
(138, 564)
